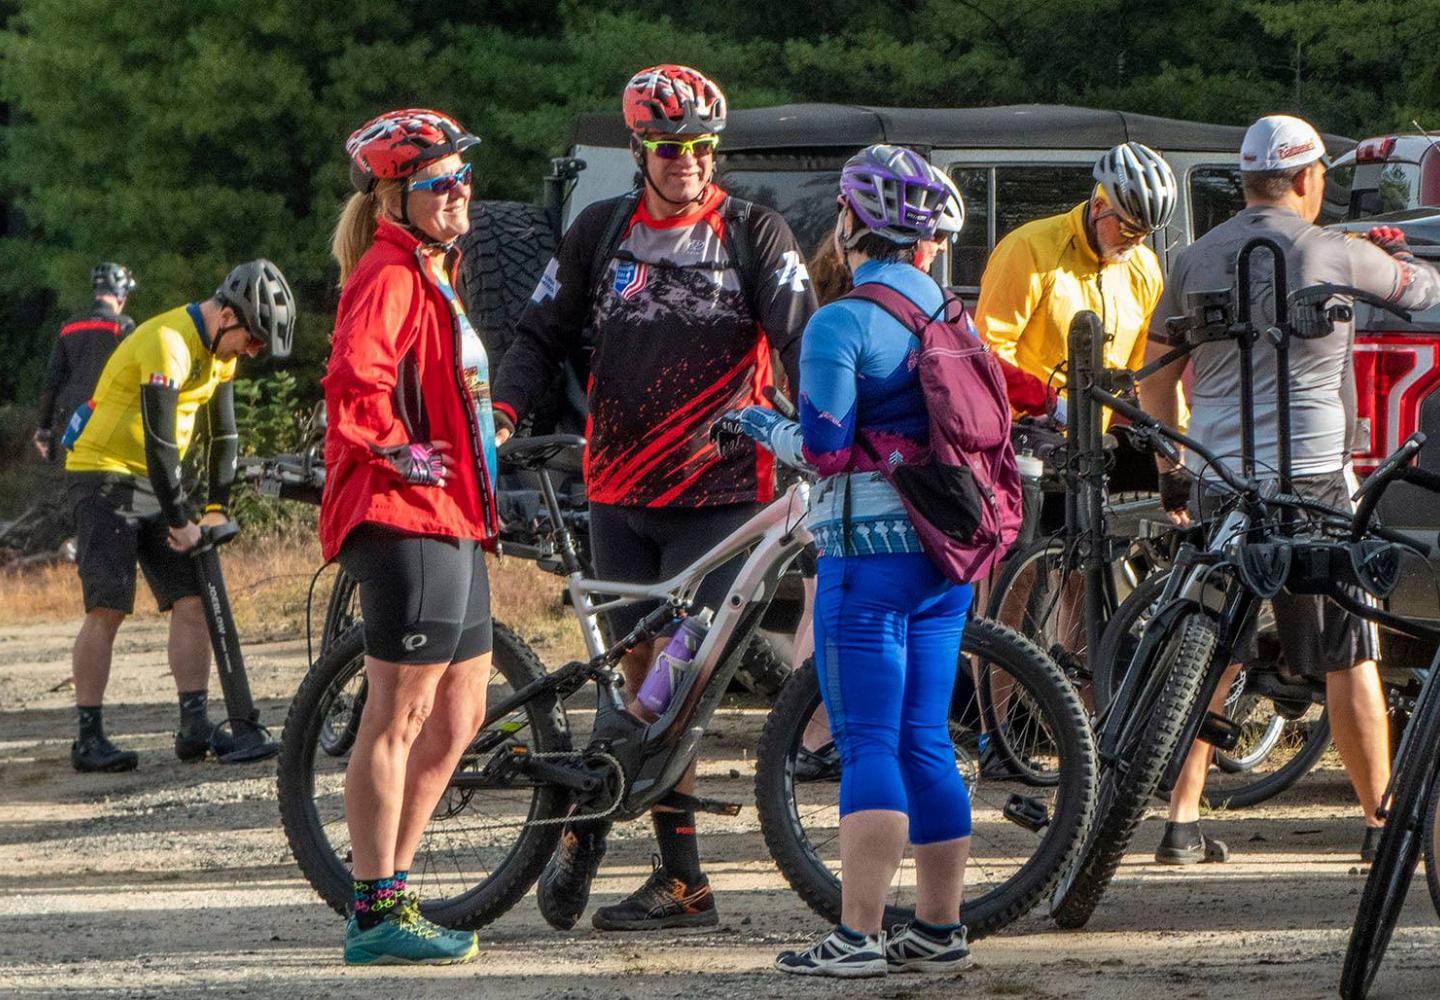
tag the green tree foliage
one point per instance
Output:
(184, 136)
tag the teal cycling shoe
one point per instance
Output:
(407, 939)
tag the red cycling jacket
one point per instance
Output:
(394, 378)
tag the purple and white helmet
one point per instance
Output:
(893, 193)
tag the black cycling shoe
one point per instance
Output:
(1184, 844)
(817, 765)
(663, 901)
(1371, 843)
(97, 753)
(221, 740)
(564, 887)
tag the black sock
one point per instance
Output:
(193, 705)
(91, 725)
(679, 852)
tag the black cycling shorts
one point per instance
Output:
(424, 599)
(650, 544)
(1317, 636)
(117, 522)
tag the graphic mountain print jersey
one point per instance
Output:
(675, 341)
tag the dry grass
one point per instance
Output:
(268, 579)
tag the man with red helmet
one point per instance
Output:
(677, 292)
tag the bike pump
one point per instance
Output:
(252, 740)
(1087, 351)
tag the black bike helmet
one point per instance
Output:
(114, 279)
(261, 297)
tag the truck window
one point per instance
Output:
(999, 199)
(1338, 182)
(972, 247)
(1026, 193)
(1388, 187)
(806, 198)
(1215, 195)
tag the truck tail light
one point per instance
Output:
(1375, 150)
(1394, 373)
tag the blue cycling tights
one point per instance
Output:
(887, 640)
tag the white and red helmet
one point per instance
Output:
(398, 143)
(675, 100)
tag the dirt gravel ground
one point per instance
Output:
(175, 881)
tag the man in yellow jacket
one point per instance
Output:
(1091, 257)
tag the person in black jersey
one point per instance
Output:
(80, 352)
(679, 293)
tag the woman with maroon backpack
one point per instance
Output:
(889, 613)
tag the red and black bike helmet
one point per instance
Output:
(675, 100)
(398, 143)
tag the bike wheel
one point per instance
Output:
(483, 847)
(1274, 752)
(342, 610)
(1023, 833)
(1040, 597)
(1395, 858)
(1148, 740)
(1432, 845)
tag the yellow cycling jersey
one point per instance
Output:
(1045, 272)
(168, 350)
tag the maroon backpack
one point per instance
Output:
(964, 499)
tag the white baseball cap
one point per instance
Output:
(1281, 142)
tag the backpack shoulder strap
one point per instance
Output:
(900, 308)
(738, 246)
(610, 237)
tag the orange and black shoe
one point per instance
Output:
(663, 901)
(564, 887)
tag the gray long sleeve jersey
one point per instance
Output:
(1322, 402)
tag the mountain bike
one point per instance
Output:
(1411, 804)
(1265, 539)
(536, 758)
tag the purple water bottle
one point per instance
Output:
(659, 685)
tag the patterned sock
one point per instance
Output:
(679, 852)
(91, 725)
(374, 900)
(193, 705)
(401, 877)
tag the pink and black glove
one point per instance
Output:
(1391, 240)
(418, 464)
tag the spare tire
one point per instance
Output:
(504, 254)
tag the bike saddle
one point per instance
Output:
(538, 451)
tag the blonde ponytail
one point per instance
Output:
(356, 229)
(354, 232)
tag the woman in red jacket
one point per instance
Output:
(409, 503)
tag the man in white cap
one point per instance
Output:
(1282, 163)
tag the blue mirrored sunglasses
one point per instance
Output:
(443, 183)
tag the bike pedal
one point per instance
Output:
(695, 803)
(1220, 731)
(1027, 812)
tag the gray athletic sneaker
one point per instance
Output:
(913, 949)
(840, 953)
